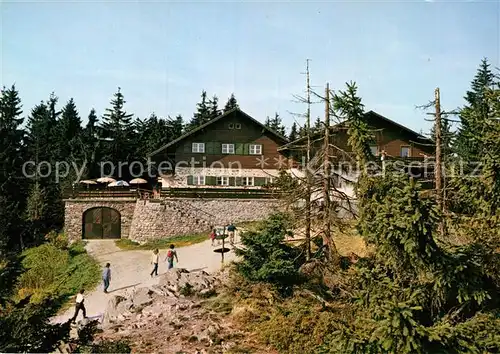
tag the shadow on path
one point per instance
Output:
(123, 287)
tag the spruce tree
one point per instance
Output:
(203, 112)
(177, 126)
(214, 107)
(276, 124)
(117, 129)
(12, 182)
(231, 103)
(89, 146)
(473, 115)
(294, 134)
(68, 130)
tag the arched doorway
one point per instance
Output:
(101, 223)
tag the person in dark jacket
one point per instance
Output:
(106, 277)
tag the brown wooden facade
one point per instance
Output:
(232, 141)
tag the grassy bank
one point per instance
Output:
(178, 241)
(55, 271)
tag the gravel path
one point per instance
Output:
(131, 269)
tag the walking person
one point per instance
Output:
(154, 262)
(79, 306)
(106, 277)
(170, 257)
(213, 235)
(231, 229)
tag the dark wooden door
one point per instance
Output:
(99, 223)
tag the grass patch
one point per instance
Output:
(56, 273)
(178, 241)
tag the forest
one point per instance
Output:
(431, 282)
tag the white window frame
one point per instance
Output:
(376, 149)
(228, 148)
(231, 126)
(245, 181)
(255, 149)
(237, 126)
(199, 180)
(401, 150)
(198, 148)
(270, 180)
(224, 181)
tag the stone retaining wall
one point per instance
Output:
(147, 220)
(75, 208)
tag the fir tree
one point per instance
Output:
(231, 103)
(214, 107)
(294, 134)
(473, 115)
(177, 126)
(12, 183)
(202, 114)
(117, 128)
(68, 130)
(276, 124)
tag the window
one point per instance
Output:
(199, 180)
(231, 126)
(269, 180)
(405, 151)
(198, 147)
(223, 181)
(247, 181)
(228, 148)
(237, 126)
(255, 149)
(374, 150)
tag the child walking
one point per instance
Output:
(154, 261)
(213, 235)
(106, 277)
(170, 257)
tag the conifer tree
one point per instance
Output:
(275, 124)
(231, 103)
(116, 127)
(203, 112)
(473, 115)
(294, 134)
(12, 182)
(177, 126)
(214, 107)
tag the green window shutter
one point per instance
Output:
(239, 149)
(232, 181)
(188, 147)
(209, 148)
(217, 148)
(190, 180)
(259, 181)
(246, 149)
(238, 181)
(210, 180)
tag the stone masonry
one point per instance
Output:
(75, 208)
(143, 220)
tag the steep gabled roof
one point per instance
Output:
(342, 125)
(197, 129)
(381, 117)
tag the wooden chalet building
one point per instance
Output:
(233, 154)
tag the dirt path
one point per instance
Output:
(131, 269)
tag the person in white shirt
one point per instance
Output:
(154, 261)
(79, 306)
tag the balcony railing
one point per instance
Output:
(219, 193)
(115, 192)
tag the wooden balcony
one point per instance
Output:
(233, 193)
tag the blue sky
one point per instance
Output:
(162, 54)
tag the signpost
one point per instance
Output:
(223, 249)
